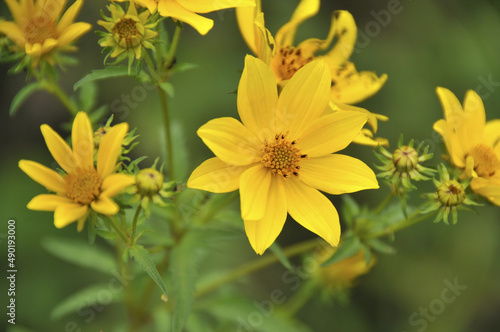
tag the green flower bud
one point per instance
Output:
(405, 158)
(149, 182)
(451, 193)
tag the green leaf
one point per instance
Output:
(23, 94)
(141, 256)
(108, 72)
(183, 66)
(87, 97)
(82, 254)
(107, 234)
(95, 295)
(348, 248)
(380, 246)
(276, 249)
(168, 88)
(350, 209)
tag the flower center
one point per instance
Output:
(288, 60)
(486, 162)
(38, 29)
(282, 157)
(84, 185)
(451, 193)
(126, 28)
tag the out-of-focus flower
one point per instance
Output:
(39, 30)
(473, 144)
(83, 186)
(282, 154)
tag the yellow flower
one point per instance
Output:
(38, 29)
(129, 32)
(348, 86)
(281, 154)
(186, 10)
(472, 143)
(82, 187)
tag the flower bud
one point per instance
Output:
(451, 193)
(149, 182)
(405, 158)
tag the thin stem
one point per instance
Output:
(151, 67)
(56, 90)
(168, 133)
(412, 220)
(300, 298)
(256, 265)
(134, 224)
(173, 47)
(384, 203)
(117, 229)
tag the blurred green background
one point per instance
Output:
(453, 44)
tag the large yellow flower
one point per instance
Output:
(83, 187)
(37, 29)
(186, 10)
(472, 143)
(281, 153)
(348, 86)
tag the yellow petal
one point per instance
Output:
(110, 149)
(11, 30)
(69, 16)
(59, 149)
(345, 29)
(262, 233)
(105, 205)
(365, 137)
(475, 117)
(258, 98)
(113, 184)
(306, 9)
(304, 98)
(204, 6)
(245, 17)
(264, 40)
(83, 142)
(353, 87)
(452, 142)
(229, 140)
(449, 102)
(47, 202)
(216, 176)
(254, 189)
(312, 210)
(73, 32)
(487, 188)
(171, 8)
(492, 135)
(331, 133)
(66, 214)
(337, 174)
(16, 11)
(51, 8)
(35, 51)
(44, 176)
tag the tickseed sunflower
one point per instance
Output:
(473, 144)
(39, 30)
(187, 10)
(281, 153)
(83, 186)
(348, 86)
(128, 32)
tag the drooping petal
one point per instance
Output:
(66, 214)
(264, 40)
(229, 140)
(105, 205)
(47, 202)
(304, 98)
(204, 6)
(306, 9)
(216, 176)
(44, 176)
(312, 210)
(331, 133)
(254, 190)
(69, 16)
(245, 17)
(83, 142)
(73, 32)
(346, 31)
(257, 98)
(337, 174)
(113, 184)
(171, 8)
(262, 233)
(109, 149)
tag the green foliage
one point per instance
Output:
(141, 256)
(24, 94)
(348, 248)
(108, 72)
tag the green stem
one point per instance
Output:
(300, 298)
(151, 67)
(173, 47)
(168, 133)
(117, 229)
(55, 89)
(412, 220)
(384, 203)
(256, 265)
(134, 225)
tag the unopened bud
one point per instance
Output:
(149, 182)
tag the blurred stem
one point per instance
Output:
(217, 207)
(384, 203)
(54, 88)
(117, 229)
(256, 265)
(134, 224)
(300, 298)
(173, 47)
(168, 133)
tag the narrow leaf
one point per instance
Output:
(141, 256)
(108, 72)
(23, 94)
(348, 248)
(276, 249)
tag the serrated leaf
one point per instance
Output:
(100, 294)
(100, 74)
(276, 249)
(141, 256)
(348, 248)
(82, 254)
(23, 94)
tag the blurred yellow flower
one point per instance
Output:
(129, 32)
(348, 86)
(472, 143)
(39, 30)
(187, 10)
(83, 187)
(281, 153)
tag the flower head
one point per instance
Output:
(348, 86)
(129, 32)
(82, 186)
(39, 30)
(187, 10)
(473, 144)
(281, 153)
